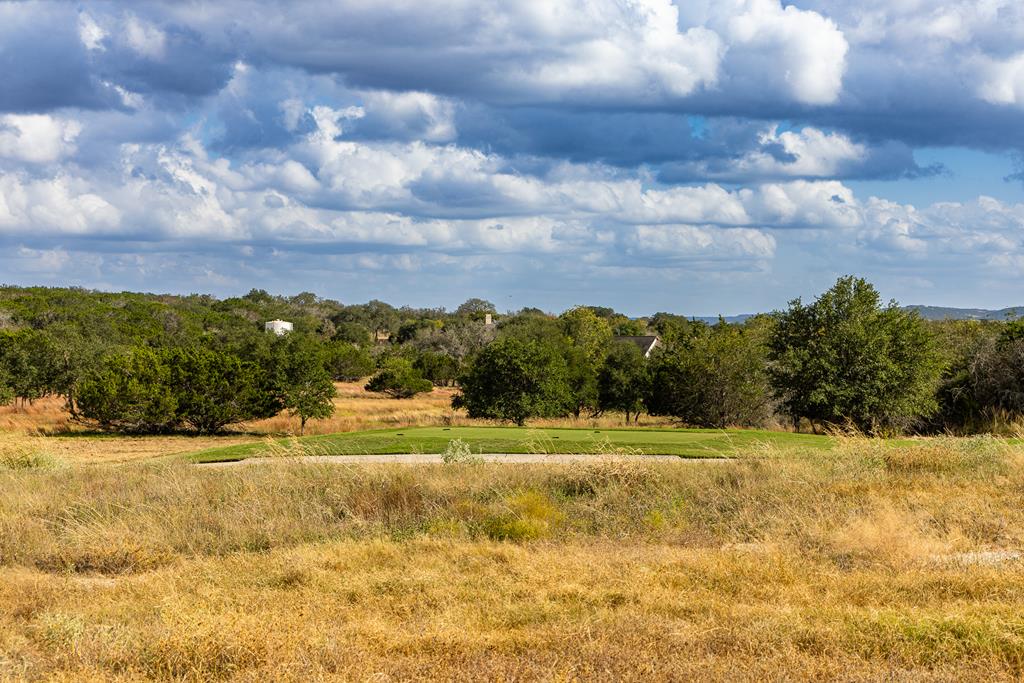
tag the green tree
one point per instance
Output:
(846, 359)
(965, 346)
(440, 368)
(215, 389)
(130, 392)
(623, 380)
(716, 378)
(399, 379)
(26, 362)
(6, 390)
(625, 327)
(306, 388)
(475, 309)
(587, 336)
(581, 379)
(587, 332)
(347, 362)
(353, 333)
(671, 327)
(515, 379)
(988, 383)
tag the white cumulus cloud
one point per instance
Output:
(37, 138)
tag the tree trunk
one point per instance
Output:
(302, 426)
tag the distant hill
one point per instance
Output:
(926, 312)
(944, 313)
(712, 319)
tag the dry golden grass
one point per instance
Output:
(45, 415)
(452, 610)
(358, 409)
(862, 563)
(355, 408)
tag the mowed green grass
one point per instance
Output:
(688, 443)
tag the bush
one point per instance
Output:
(21, 454)
(458, 452)
(513, 379)
(399, 379)
(144, 391)
(131, 392)
(527, 516)
(347, 362)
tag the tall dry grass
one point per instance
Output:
(355, 409)
(862, 563)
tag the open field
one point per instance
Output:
(798, 556)
(691, 443)
(860, 562)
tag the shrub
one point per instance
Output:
(529, 515)
(131, 392)
(347, 362)
(458, 451)
(399, 379)
(22, 454)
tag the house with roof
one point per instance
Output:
(646, 343)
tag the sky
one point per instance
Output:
(698, 157)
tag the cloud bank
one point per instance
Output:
(697, 157)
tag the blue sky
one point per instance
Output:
(700, 157)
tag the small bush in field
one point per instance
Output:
(458, 451)
(529, 515)
(20, 455)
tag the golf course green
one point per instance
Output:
(688, 443)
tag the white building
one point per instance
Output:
(278, 327)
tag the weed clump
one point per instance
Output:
(458, 452)
(587, 479)
(975, 456)
(25, 454)
(526, 516)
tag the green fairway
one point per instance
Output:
(690, 443)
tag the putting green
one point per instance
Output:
(690, 443)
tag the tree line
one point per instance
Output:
(157, 363)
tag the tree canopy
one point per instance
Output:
(514, 379)
(847, 360)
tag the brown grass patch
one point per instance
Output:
(449, 610)
(849, 564)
